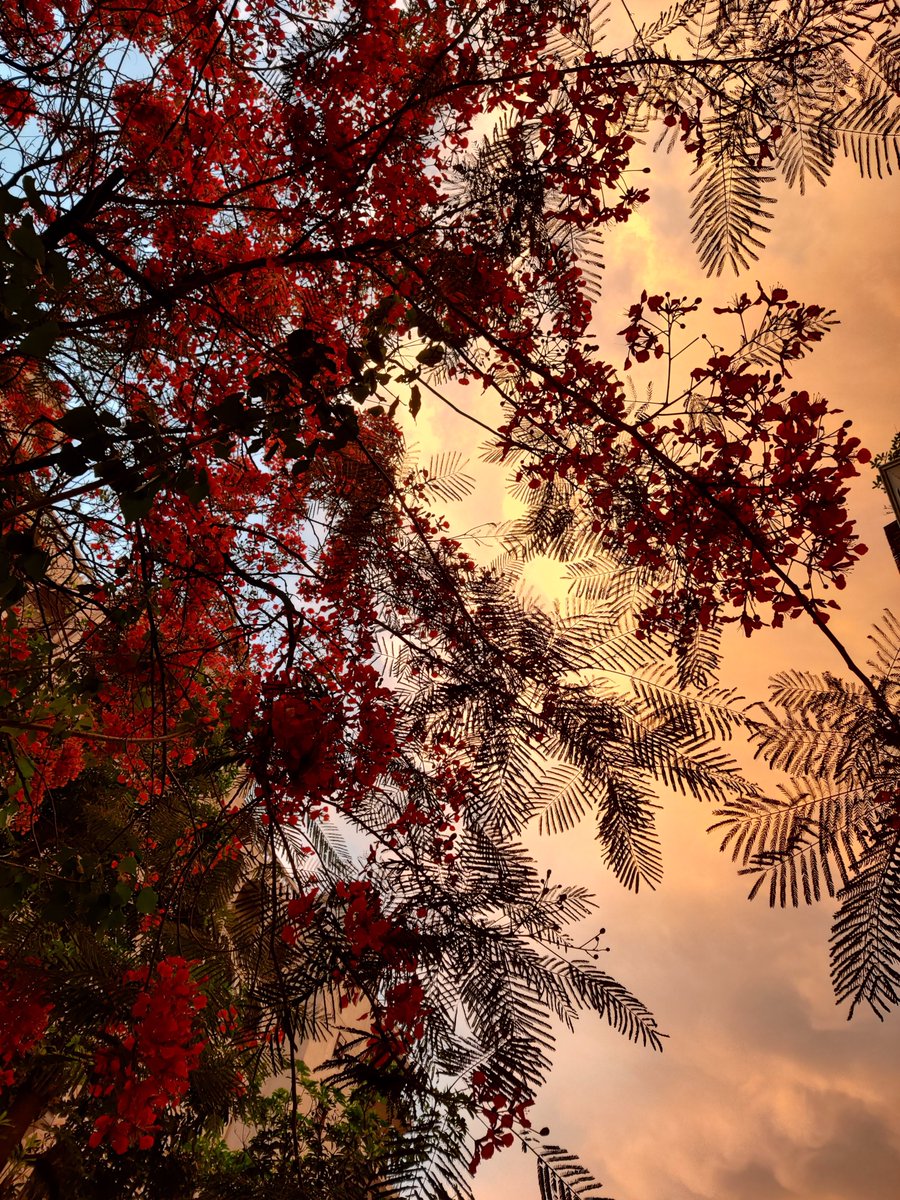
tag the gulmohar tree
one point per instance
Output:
(272, 734)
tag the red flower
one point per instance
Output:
(146, 1067)
(24, 1013)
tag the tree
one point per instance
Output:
(239, 641)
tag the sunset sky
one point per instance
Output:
(236, 637)
(764, 1091)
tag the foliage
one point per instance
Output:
(757, 91)
(273, 736)
(834, 829)
(342, 1142)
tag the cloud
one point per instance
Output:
(764, 1090)
(859, 1155)
(755, 1181)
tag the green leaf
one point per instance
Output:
(57, 911)
(9, 204)
(58, 270)
(26, 239)
(38, 342)
(415, 401)
(194, 485)
(24, 767)
(381, 310)
(136, 505)
(73, 460)
(79, 422)
(374, 348)
(146, 901)
(431, 355)
(35, 564)
(19, 294)
(233, 413)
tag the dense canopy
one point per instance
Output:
(272, 730)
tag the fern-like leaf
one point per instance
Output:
(562, 1175)
(729, 208)
(865, 945)
(445, 477)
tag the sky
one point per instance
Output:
(764, 1090)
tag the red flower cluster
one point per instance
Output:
(41, 761)
(147, 1068)
(16, 104)
(369, 931)
(397, 1023)
(306, 735)
(53, 764)
(301, 911)
(399, 1020)
(501, 1112)
(739, 507)
(311, 748)
(403, 1009)
(24, 1014)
